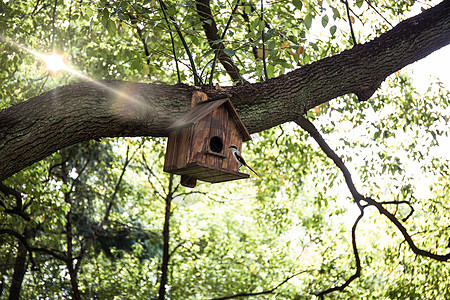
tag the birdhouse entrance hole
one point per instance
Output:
(216, 144)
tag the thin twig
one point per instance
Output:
(309, 127)
(166, 240)
(350, 23)
(134, 21)
(53, 24)
(405, 233)
(19, 208)
(197, 79)
(263, 42)
(357, 260)
(270, 291)
(216, 54)
(173, 45)
(215, 41)
(370, 4)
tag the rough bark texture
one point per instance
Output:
(36, 128)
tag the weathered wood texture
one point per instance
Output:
(178, 149)
(210, 173)
(190, 152)
(36, 128)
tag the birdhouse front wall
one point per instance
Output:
(217, 126)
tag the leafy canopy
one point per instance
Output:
(95, 212)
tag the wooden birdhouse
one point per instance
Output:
(198, 142)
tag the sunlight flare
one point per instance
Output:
(55, 62)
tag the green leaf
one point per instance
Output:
(217, 41)
(333, 29)
(336, 14)
(89, 12)
(269, 34)
(208, 53)
(298, 4)
(136, 64)
(270, 70)
(271, 45)
(325, 21)
(377, 135)
(308, 21)
(359, 3)
(111, 27)
(229, 52)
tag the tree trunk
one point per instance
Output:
(166, 243)
(36, 128)
(20, 267)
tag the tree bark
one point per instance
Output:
(36, 128)
(20, 268)
(166, 242)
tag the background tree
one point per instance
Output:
(98, 218)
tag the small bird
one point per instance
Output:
(241, 161)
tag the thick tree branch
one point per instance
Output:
(215, 41)
(311, 129)
(166, 240)
(36, 128)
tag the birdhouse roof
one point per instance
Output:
(203, 109)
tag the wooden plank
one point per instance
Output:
(188, 181)
(197, 98)
(196, 114)
(237, 120)
(217, 129)
(183, 146)
(217, 154)
(234, 137)
(209, 173)
(169, 159)
(203, 109)
(200, 140)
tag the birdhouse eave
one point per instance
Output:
(201, 110)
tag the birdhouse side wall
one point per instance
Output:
(178, 149)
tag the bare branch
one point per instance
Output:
(309, 127)
(357, 260)
(19, 208)
(134, 20)
(405, 233)
(31, 249)
(350, 23)
(370, 4)
(270, 291)
(166, 240)
(397, 203)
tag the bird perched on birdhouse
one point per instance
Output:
(197, 148)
